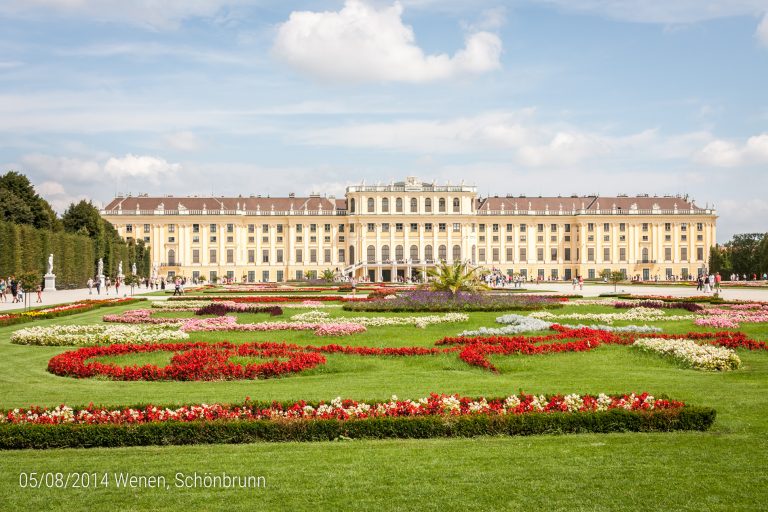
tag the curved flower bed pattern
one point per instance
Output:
(691, 354)
(733, 316)
(64, 310)
(191, 361)
(517, 324)
(641, 314)
(229, 323)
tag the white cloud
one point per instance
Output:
(156, 14)
(723, 153)
(50, 188)
(183, 141)
(362, 43)
(762, 31)
(132, 166)
(62, 168)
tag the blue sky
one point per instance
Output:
(548, 97)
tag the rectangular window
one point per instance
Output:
(523, 254)
(146, 227)
(699, 226)
(553, 254)
(591, 273)
(495, 228)
(645, 226)
(567, 228)
(313, 255)
(482, 228)
(265, 276)
(684, 253)
(591, 254)
(428, 227)
(230, 255)
(327, 228)
(299, 275)
(252, 228)
(212, 228)
(540, 254)
(622, 254)
(590, 226)
(129, 228)
(667, 254)
(230, 239)
(385, 227)
(509, 227)
(251, 256)
(622, 226)
(326, 256)
(606, 254)
(299, 256)
(567, 254)
(553, 227)
(341, 228)
(540, 228)
(399, 227)
(341, 256)
(414, 226)
(195, 239)
(510, 254)
(212, 256)
(265, 228)
(700, 253)
(230, 228)
(195, 255)
(313, 228)
(523, 228)
(171, 228)
(606, 227)
(481, 255)
(279, 275)
(279, 256)
(279, 228)
(265, 256)
(371, 227)
(441, 227)
(667, 226)
(456, 227)
(495, 253)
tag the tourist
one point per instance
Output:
(89, 284)
(3, 287)
(717, 282)
(177, 288)
(117, 286)
(106, 285)
(98, 285)
(14, 288)
(581, 282)
(39, 293)
(706, 284)
(700, 283)
(712, 282)
(19, 293)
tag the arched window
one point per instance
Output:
(414, 252)
(474, 251)
(352, 205)
(414, 205)
(385, 205)
(456, 205)
(456, 252)
(171, 257)
(371, 254)
(645, 254)
(428, 205)
(441, 205)
(442, 253)
(352, 254)
(399, 205)
(371, 205)
(385, 253)
(399, 253)
(428, 252)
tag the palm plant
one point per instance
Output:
(455, 277)
(328, 275)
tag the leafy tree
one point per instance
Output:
(719, 259)
(743, 250)
(614, 277)
(131, 280)
(14, 209)
(328, 275)
(36, 212)
(454, 278)
(83, 218)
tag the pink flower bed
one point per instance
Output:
(734, 316)
(229, 323)
(141, 316)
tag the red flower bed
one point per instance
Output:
(191, 361)
(339, 409)
(325, 298)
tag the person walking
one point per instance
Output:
(14, 289)
(717, 282)
(581, 282)
(106, 285)
(39, 293)
(90, 286)
(3, 286)
(117, 286)
(98, 286)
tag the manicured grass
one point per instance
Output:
(723, 469)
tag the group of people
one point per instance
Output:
(15, 288)
(746, 277)
(97, 283)
(708, 282)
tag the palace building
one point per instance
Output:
(391, 232)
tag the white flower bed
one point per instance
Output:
(87, 335)
(641, 314)
(417, 321)
(180, 305)
(517, 324)
(643, 329)
(690, 353)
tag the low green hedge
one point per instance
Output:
(228, 432)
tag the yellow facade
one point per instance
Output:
(391, 232)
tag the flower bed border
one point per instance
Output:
(677, 416)
(85, 305)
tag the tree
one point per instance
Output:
(743, 250)
(83, 218)
(131, 280)
(454, 278)
(614, 277)
(36, 212)
(328, 275)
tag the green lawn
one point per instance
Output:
(723, 469)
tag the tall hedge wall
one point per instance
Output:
(24, 248)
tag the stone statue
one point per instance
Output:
(100, 267)
(133, 268)
(120, 268)
(154, 270)
(50, 264)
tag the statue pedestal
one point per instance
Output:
(50, 282)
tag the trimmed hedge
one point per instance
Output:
(15, 437)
